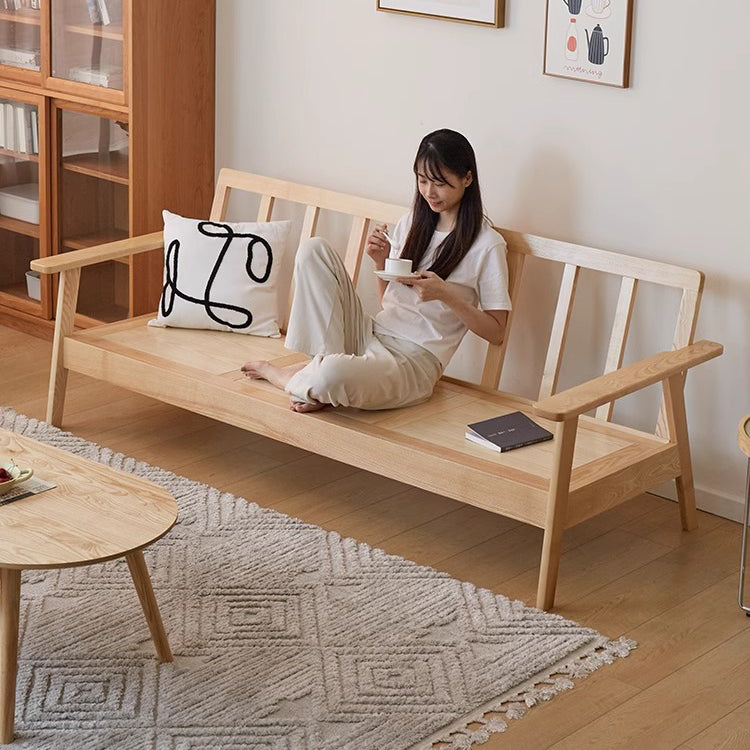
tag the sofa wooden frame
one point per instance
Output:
(591, 465)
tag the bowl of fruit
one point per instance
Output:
(12, 475)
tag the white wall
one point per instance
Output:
(333, 93)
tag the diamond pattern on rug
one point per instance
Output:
(285, 637)
(397, 678)
(102, 691)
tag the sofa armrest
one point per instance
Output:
(88, 256)
(613, 385)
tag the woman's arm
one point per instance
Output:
(488, 324)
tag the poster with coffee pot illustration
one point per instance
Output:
(589, 40)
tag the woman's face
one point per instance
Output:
(442, 194)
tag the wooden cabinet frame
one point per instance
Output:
(168, 102)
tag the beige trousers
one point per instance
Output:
(351, 365)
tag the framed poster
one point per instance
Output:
(483, 12)
(589, 40)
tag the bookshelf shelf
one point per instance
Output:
(115, 169)
(16, 295)
(96, 238)
(19, 155)
(30, 17)
(112, 32)
(90, 240)
(19, 227)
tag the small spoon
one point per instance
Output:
(390, 239)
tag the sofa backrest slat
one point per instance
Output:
(559, 332)
(356, 246)
(683, 335)
(220, 202)
(619, 337)
(493, 361)
(310, 222)
(309, 228)
(265, 209)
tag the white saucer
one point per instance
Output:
(393, 276)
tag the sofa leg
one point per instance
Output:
(674, 401)
(557, 508)
(67, 299)
(548, 568)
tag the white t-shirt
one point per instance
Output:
(481, 278)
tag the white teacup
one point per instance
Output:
(398, 266)
(599, 6)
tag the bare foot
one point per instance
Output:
(264, 370)
(303, 407)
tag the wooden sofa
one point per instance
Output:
(591, 465)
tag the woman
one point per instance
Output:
(460, 284)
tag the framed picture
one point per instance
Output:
(483, 12)
(589, 40)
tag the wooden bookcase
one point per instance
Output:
(111, 105)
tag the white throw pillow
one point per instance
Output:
(221, 275)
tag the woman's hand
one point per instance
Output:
(488, 324)
(428, 286)
(378, 247)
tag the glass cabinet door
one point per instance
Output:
(19, 34)
(87, 42)
(19, 203)
(93, 205)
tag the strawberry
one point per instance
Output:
(4, 475)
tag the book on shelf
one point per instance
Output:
(20, 126)
(20, 202)
(19, 58)
(28, 123)
(94, 14)
(108, 76)
(21, 4)
(15, 5)
(10, 128)
(104, 12)
(507, 432)
(34, 131)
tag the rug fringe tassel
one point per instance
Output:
(476, 728)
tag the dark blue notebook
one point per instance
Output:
(507, 432)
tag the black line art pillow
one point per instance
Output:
(222, 275)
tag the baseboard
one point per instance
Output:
(726, 506)
(31, 324)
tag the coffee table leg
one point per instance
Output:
(10, 604)
(142, 581)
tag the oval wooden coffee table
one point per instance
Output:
(94, 514)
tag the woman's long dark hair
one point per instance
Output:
(440, 152)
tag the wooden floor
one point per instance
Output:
(631, 571)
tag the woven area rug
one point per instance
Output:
(285, 636)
